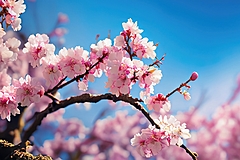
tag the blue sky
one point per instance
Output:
(202, 36)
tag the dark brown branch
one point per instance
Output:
(128, 48)
(92, 99)
(13, 127)
(108, 96)
(49, 95)
(37, 121)
(54, 89)
(157, 61)
(81, 99)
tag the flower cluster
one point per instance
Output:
(8, 51)
(8, 102)
(121, 69)
(152, 140)
(11, 11)
(38, 47)
(28, 90)
(73, 61)
(116, 61)
(22, 91)
(157, 102)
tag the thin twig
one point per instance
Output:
(177, 89)
(60, 85)
(54, 89)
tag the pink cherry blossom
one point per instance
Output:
(157, 102)
(73, 61)
(8, 52)
(119, 41)
(132, 27)
(174, 130)
(148, 78)
(8, 104)
(83, 85)
(51, 70)
(20, 67)
(5, 79)
(140, 142)
(102, 48)
(115, 55)
(142, 48)
(186, 95)
(13, 45)
(104, 54)
(119, 77)
(16, 24)
(155, 75)
(38, 47)
(28, 90)
(150, 142)
(12, 10)
(17, 7)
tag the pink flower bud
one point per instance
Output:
(194, 76)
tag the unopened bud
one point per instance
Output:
(194, 76)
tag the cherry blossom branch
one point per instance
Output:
(178, 89)
(54, 106)
(51, 96)
(54, 89)
(14, 127)
(37, 121)
(193, 77)
(158, 61)
(87, 97)
(128, 48)
(108, 96)
(60, 85)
